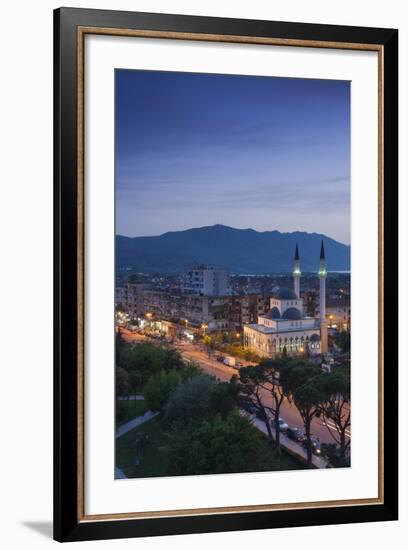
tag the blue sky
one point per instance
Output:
(260, 152)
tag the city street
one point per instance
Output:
(197, 353)
(223, 372)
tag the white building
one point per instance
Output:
(206, 281)
(285, 328)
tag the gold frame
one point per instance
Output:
(81, 33)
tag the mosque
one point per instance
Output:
(285, 327)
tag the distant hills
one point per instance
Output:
(238, 250)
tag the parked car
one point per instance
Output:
(282, 424)
(220, 358)
(249, 407)
(230, 361)
(315, 443)
(259, 414)
(295, 434)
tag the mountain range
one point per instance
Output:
(241, 251)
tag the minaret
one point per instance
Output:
(322, 299)
(297, 273)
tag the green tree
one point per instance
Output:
(273, 371)
(302, 381)
(336, 408)
(261, 384)
(122, 382)
(190, 402)
(122, 389)
(119, 346)
(222, 446)
(251, 381)
(172, 359)
(223, 398)
(343, 341)
(159, 388)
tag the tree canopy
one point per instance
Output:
(221, 446)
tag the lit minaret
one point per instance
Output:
(297, 273)
(322, 298)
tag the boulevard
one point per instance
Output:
(209, 364)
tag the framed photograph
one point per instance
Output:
(225, 274)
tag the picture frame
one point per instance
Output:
(71, 26)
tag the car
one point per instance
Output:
(282, 424)
(220, 359)
(259, 414)
(249, 407)
(330, 412)
(315, 443)
(295, 434)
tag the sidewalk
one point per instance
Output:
(138, 421)
(293, 448)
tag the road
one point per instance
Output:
(198, 354)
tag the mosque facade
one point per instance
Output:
(285, 329)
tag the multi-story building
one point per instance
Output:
(338, 313)
(129, 298)
(216, 312)
(206, 281)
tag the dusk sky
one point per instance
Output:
(249, 152)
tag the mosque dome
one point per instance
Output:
(273, 313)
(314, 338)
(286, 294)
(292, 314)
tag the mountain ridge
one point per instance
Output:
(238, 250)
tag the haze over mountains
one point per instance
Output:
(241, 251)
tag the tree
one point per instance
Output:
(343, 341)
(119, 345)
(190, 402)
(220, 445)
(252, 379)
(274, 371)
(122, 382)
(172, 359)
(144, 359)
(159, 388)
(122, 389)
(223, 398)
(336, 408)
(263, 382)
(302, 381)
(208, 341)
(135, 381)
